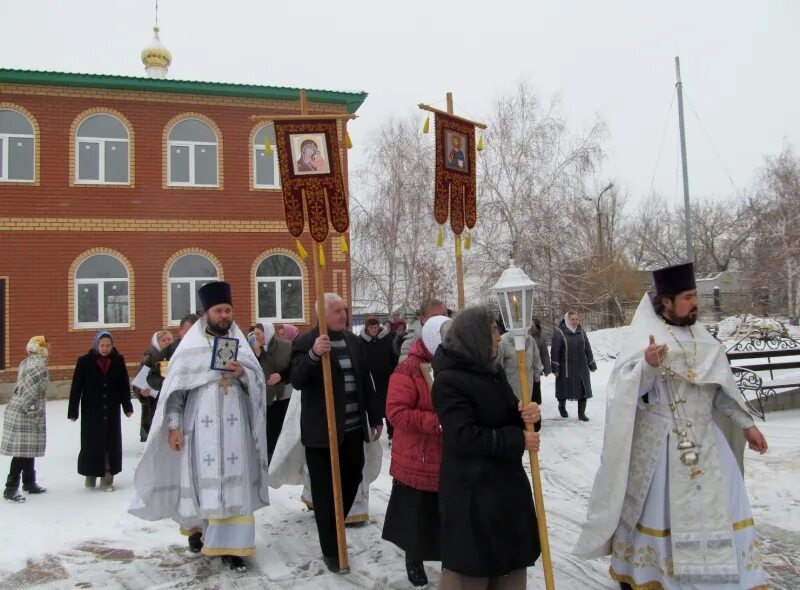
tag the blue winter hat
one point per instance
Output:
(215, 293)
(98, 336)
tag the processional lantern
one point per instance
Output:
(514, 290)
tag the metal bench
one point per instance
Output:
(765, 344)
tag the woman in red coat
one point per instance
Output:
(412, 516)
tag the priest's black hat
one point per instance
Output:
(672, 280)
(212, 294)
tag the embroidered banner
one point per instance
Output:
(455, 186)
(308, 158)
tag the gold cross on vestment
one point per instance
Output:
(224, 383)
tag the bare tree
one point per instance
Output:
(777, 204)
(395, 261)
(532, 176)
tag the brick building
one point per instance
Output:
(121, 196)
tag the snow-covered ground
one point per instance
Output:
(72, 537)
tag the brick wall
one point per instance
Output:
(46, 226)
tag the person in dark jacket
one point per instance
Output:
(155, 379)
(571, 360)
(147, 396)
(381, 359)
(412, 516)
(544, 355)
(359, 416)
(100, 386)
(275, 357)
(488, 520)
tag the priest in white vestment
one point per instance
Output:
(205, 464)
(669, 502)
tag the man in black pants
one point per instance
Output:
(359, 416)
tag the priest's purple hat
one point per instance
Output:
(672, 280)
(215, 293)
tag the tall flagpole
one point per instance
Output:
(687, 206)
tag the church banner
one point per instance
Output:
(455, 186)
(310, 169)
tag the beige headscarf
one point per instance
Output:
(38, 345)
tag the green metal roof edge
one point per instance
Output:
(353, 100)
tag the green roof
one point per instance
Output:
(352, 100)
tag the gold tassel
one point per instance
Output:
(480, 143)
(267, 147)
(458, 245)
(348, 143)
(321, 256)
(343, 245)
(440, 238)
(426, 128)
(300, 250)
(468, 241)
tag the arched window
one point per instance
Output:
(16, 147)
(192, 154)
(102, 151)
(265, 166)
(186, 275)
(101, 292)
(279, 289)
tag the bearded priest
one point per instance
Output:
(669, 503)
(206, 466)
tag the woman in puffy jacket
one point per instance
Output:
(412, 516)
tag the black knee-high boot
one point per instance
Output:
(582, 410)
(11, 491)
(29, 478)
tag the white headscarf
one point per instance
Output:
(432, 332)
(569, 325)
(269, 332)
(154, 341)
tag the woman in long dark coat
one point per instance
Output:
(571, 360)
(100, 386)
(24, 425)
(488, 521)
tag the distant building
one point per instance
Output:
(121, 196)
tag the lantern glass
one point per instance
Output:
(514, 291)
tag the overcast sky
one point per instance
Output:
(608, 58)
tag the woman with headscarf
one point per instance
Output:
(381, 360)
(488, 522)
(412, 516)
(544, 356)
(147, 396)
(572, 359)
(287, 331)
(275, 357)
(100, 386)
(24, 425)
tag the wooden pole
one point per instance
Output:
(459, 259)
(330, 412)
(538, 497)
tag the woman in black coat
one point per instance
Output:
(381, 359)
(100, 386)
(571, 360)
(488, 521)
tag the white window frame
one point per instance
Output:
(192, 287)
(6, 138)
(101, 313)
(191, 146)
(277, 282)
(101, 142)
(259, 148)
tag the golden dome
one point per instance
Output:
(155, 57)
